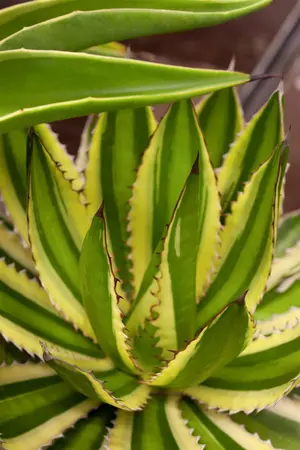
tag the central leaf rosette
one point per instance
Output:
(170, 271)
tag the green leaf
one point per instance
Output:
(57, 225)
(114, 154)
(221, 119)
(279, 425)
(159, 426)
(266, 371)
(254, 146)
(208, 353)
(177, 16)
(88, 433)
(13, 249)
(96, 85)
(13, 179)
(27, 317)
(219, 431)
(100, 297)
(113, 387)
(288, 233)
(36, 406)
(279, 309)
(246, 243)
(188, 253)
(155, 197)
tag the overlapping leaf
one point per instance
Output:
(140, 18)
(220, 134)
(96, 85)
(246, 242)
(113, 155)
(36, 406)
(58, 222)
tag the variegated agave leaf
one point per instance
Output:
(131, 309)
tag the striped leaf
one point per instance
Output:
(13, 178)
(88, 433)
(253, 147)
(13, 250)
(27, 317)
(246, 243)
(57, 225)
(100, 297)
(176, 16)
(36, 406)
(154, 194)
(96, 85)
(266, 371)
(188, 253)
(218, 431)
(9, 353)
(113, 387)
(221, 119)
(288, 233)
(280, 308)
(285, 267)
(118, 142)
(279, 425)
(159, 426)
(208, 353)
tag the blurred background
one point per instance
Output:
(265, 42)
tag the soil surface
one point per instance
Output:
(247, 39)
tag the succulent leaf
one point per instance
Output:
(288, 233)
(220, 134)
(100, 297)
(36, 406)
(113, 387)
(218, 431)
(253, 147)
(207, 354)
(27, 317)
(13, 250)
(13, 179)
(131, 19)
(246, 244)
(114, 154)
(57, 225)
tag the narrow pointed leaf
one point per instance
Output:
(160, 426)
(100, 297)
(220, 134)
(57, 225)
(9, 353)
(113, 387)
(173, 150)
(118, 142)
(253, 147)
(219, 431)
(179, 15)
(27, 317)
(188, 253)
(208, 353)
(280, 425)
(96, 85)
(285, 267)
(13, 179)
(288, 233)
(246, 249)
(36, 406)
(13, 250)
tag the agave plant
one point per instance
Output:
(131, 279)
